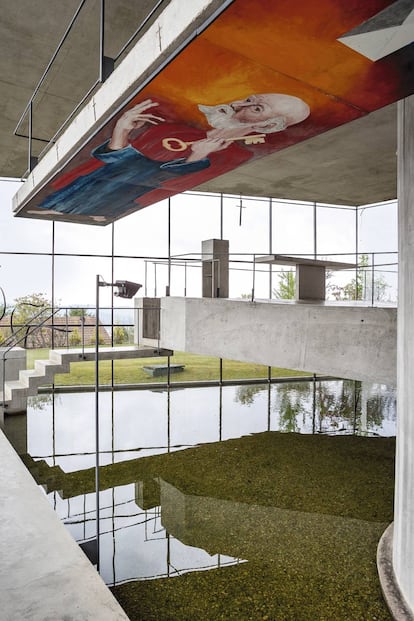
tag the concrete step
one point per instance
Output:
(59, 361)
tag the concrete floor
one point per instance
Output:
(44, 575)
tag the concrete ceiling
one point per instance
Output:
(352, 164)
(29, 35)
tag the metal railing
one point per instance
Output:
(367, 277)
(106, 67)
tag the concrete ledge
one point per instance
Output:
(396, 603)
(352, 342)
(44, 575)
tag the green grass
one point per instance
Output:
(197, 368)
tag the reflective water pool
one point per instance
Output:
(224, 503)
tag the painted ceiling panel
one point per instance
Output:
(264, 76)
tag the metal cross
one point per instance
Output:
(241, 206)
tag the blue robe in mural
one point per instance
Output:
(113, 189)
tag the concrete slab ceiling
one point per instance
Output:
(327, 53)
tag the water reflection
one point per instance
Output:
(341, 406)
(149, 528)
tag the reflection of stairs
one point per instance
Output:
(17, 391)
(42, 473)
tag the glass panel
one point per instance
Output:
(22, 275)
(143, 233)
(23, 234)
(378, 228)
(293, 228)
(194, 218)
(246, 225)
(336, 233)
(75, 279)
(83, 238)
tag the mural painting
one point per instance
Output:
(262, 77)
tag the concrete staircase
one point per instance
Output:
(59, 361)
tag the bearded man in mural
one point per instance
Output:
(125, 174)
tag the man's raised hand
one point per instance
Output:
(134, 118)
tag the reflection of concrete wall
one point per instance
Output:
(267, 534)
(350, 342)
(15, 429)
(147, 494)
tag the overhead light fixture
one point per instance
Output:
(126, 288)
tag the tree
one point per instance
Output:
(287, 286)
(29, 311)
(79, 312)
(120, 335)
(356, 288)
(75, 337)
(31, 323)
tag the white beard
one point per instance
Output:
(220, 117)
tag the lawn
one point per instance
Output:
(197, 368)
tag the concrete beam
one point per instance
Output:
(350, 342)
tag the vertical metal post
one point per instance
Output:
(315, 232)
(112, 296)
(185, 279)
(97, 482)
(221, 216)
(101, 40)
(270, 247)
(372, 278)
(254, 276)
(155, 280)
(168, 288)
(220, 413)
(145, 277)
(269, 396)
(356, 251)
(30, 160)
(53, 284)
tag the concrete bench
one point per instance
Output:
(156, 370)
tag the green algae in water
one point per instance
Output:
(306, 512)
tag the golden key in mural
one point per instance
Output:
(176, 144)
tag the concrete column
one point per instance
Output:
(403, 544)
(215, 268)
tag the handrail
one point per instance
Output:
(106, 66)
(245, 262)
(19, 340)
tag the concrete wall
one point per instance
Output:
(350, 342)
(15, 362)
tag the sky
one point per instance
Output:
(194, 217)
